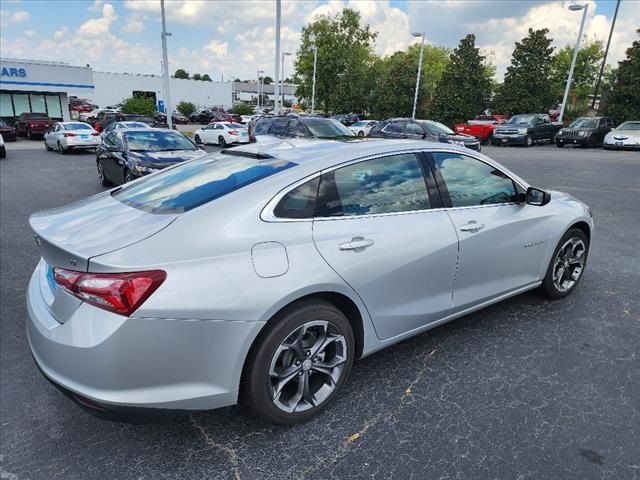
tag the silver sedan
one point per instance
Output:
(66, 136)
(264, 272)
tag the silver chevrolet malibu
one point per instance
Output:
(262, 273)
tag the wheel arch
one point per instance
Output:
(584, 227)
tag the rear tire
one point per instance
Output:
(299, 363)
(529, 141)
(222, 142)
(61, 150)
(567, 265)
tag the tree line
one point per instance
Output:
(456, 84)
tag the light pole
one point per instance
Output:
(313, 88)
(604, 59)
(165, 67)
(282, 82)
(276, 97)
(415, 98)
(573, 8)
(259, 87)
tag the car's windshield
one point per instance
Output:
(327, 128)
(522, 119)
(157, 141)
(76, 126)
(584, 123)
(437, 127)
(197, 182)
(629, 126)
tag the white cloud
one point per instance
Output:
(7, 18)
(60, 34)
(133, 25)
(30, 33)
(217, 49)
(96, 27)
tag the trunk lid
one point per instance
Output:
(70, 235)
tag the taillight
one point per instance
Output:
(69, 134)
(95, 134)
(233, 132)
(121, 293)
(32, 125)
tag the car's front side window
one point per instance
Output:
(472, 182)
(414, 129)
(388, 184)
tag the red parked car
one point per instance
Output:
(30, 124)
(7, 131)
(80, 106)
(482, 126)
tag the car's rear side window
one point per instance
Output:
(299, 202)
(197, 182)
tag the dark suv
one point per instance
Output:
(422, 130)
(301, 127)
(585, 131)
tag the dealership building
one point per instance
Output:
(40, 86)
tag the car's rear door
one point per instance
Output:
(375, 225)
(502, 242)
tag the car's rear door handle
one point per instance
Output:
(356, 243)
(472, 226)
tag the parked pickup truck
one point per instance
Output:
(526, 129)
(481, 127)
(30, 124)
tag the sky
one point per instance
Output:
(228, 39)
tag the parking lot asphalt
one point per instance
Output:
(526, 389)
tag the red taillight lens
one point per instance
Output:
(120, 293)
(32, 125)
(233, 132)
(69, 134)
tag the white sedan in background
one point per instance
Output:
(625, 135)
(363, 127)
(221, 133)
(66, 136)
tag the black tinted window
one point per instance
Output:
(197, 182)
(414, 129)
(296, 129)
(472, 182)
(394, 127)
(299, 202)
(384, 185)
(279, 127)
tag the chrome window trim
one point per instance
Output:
(267, 213)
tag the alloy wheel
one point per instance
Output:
(569, 264)
(221, 141)
(307, 366)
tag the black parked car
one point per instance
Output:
(585, 131)
(347, 119)
(128, 154)
(422, 130)
(301, 127)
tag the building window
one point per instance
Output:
(6, 108)
(21, 103)
(53, 106)
(37, 103)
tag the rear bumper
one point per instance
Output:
(119, 363)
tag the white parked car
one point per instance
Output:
(221, 133)
(85, 116)
(122, 125)
(246, 119)
(66, 136)
(626, 135)
(363, 127)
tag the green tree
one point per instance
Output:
(139, 105)
(206, 78)
(472, 86)
(196, 76)
(242, 109)
(186, 108)
(267, 80)
(526, 86)
(344, 78)
(584, 78)
(395, 81)
(180, 73)
(623, 102)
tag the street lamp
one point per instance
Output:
(573, 8)
(165, 67)
(259, 87)
(282, 82)
(315, 63)
(415, 98)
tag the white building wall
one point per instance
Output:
(112, 88)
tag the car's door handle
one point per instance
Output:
(472, 226)
(356, 243)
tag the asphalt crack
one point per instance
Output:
(352, 439)
(232, 454)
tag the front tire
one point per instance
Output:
(101, 176)
(567, 265)
(128, 176)
(360, 133)
(46, 146)
(529, 141)
(299, 363)
(559, 144)
(222, 142)
(198, 140)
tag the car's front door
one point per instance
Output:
(375, 226)
(502, 241)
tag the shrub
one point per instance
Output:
(186, 108)
(242, 109)
(139, 106)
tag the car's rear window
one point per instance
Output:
(77, 126)
(189, 185)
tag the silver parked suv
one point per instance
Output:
(265, 272)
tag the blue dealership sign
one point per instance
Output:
(14, 72)
(161, 106)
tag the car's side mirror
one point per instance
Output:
(537, 197)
